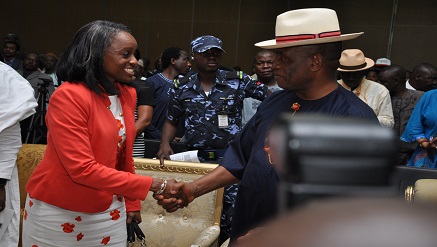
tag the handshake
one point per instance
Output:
(174, 195)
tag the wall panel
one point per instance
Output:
(49, 25)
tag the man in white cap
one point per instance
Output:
(308, 46)
(382, 62)
(373, 72)
(353, 69)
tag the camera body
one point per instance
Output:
(321, 155)
(44, 82)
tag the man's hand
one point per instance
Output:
(181, 194)
(164, 153)
(2, 198)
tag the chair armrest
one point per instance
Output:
(207, 237)
(226, 243)
(425, 190)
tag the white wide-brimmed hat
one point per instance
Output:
(354, 60)
(306, 27)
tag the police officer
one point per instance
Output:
(211, 101)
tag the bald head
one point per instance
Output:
(393, 78)
(395, 71)
(424, 77)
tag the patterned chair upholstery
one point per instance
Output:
(28, 157)
(196, 225)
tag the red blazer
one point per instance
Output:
(78, 171)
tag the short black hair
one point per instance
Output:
(168, 54)
(82, 61)
(421, 67)
(137, 54)
(397, 71)
(263, 51)
(331, 53)
(12, 38)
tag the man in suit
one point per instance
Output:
(10, 52)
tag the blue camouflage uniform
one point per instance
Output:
(201, 111)
(202, 131)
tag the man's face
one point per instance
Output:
(208, 61)
(182, 65)
(49, 62)
(352, 79)
(139, 71)
(291, 68)
(31, 62)
(426, 80)
(372, 75)
(10, 50)
(264, 66)
(388, 79)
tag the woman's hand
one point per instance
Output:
(428, 144)
(133, 216)
(433, 142)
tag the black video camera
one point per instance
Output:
(321, 155)
(45, 82)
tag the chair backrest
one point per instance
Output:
(182, 227)
(28, 158)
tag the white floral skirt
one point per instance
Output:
(45, 225)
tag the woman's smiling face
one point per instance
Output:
(119, 62)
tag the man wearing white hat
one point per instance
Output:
(353, 69)
(308, 46)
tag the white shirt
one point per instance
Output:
(408, 86)
(16, 103)
(377, 97)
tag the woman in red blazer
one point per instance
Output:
(81, 192)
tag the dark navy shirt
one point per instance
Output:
(161, 86)
(201, 112)
(247, 160)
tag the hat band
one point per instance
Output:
(299, 37)
(353, 67)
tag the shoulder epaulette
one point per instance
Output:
(234, 75)
(181, 81)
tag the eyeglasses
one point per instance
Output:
(210, 53)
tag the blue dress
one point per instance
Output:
(422, 124)
(246, 159)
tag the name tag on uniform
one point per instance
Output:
(223, 121)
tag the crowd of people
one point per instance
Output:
(104, 103)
